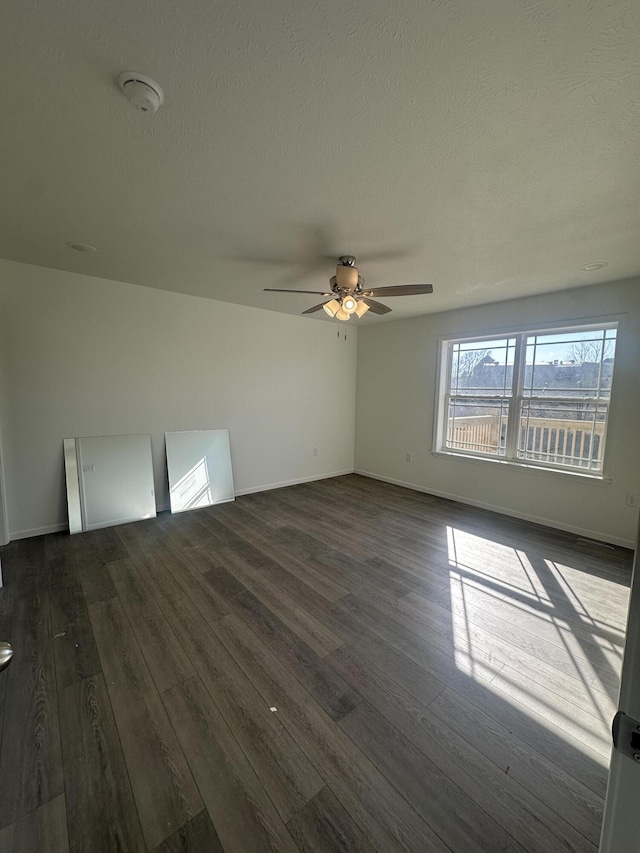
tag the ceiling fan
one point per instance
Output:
(349, 295)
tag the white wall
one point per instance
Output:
(87, 356)
(395, 413)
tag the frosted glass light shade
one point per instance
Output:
(331, 307)
(341, 314)
(349, 304)
(361, 308)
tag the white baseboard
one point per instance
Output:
(38, 531)
(56, 528)
(252, 489)
(587, 533)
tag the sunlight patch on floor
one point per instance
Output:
(529, 628)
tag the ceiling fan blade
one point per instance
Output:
(399, 290)
(367, 257)
(285, 290)
(259, 259)
(386, 255)
(376, 307)
(315, 308)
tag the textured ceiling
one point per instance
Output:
(495, 144)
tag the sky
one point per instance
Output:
(552, 347)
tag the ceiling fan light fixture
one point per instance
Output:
(331, 307)
(347, 294)
(349, 304)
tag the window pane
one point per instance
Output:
(482, 367)
(576, 364)
(477, 425)
(562, 433)
(560, 386)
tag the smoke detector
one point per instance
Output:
(141, 91)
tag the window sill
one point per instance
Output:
(527, 466)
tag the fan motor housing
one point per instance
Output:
(347, 277)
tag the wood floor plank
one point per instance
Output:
(188, 526)
(324, 826)
(221, 534)
(103, 545)
(76, 655)
(205, 558)
(319, 519)
(165, 793)
(299, 620)
(591, 730)
(244, 816)
(573, 755)
(259, 516)
(540, 619)
(568, 653)
(31, 761)
(424, 676)
(430, 791)
(140, 538)
(210, 604)
(355, 575)
(23, 567)
(375, 638)
(276, 572)
(590, 698)
(94, 576)
(369, 651)
(164, 655)
(527, 572)
(153, 566)
(465, 596)
(304, 571)
(196, 836)
(279, 763)
(433, 649)
(224, 582)
(545, 673)
(568, 797)
(468, 769)
(507, 645)
(101, 809)
(44, 830)
(316, 674)
(292, 549)
(383, 816)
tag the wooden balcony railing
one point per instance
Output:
(564, 442)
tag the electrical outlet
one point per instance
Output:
(632, 499)
(316, 452)
(409, 456)
(88, 469)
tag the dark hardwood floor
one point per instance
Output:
(337, 666)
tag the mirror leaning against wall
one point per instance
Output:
(199, 468)
(109, 480)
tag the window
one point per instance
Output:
(535, 398)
